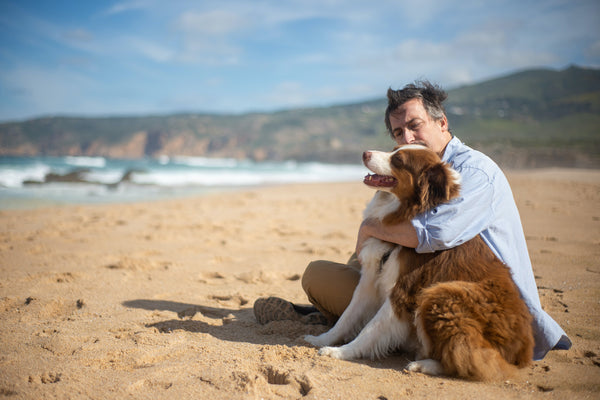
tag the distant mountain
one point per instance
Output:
(536, 117)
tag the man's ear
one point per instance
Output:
(444, 123)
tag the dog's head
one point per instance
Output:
(416, 175)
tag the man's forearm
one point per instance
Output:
(403, 233)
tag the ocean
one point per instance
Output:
(31, 182)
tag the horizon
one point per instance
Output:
(142, 58)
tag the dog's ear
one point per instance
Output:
(405, 186)
(440, 183)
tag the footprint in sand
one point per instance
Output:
(336, 235)
(593, 357)
(145, 384)
(236, 299)
(275, 376)
(45, 378)
(7, 392)
(253, 277)
(54, 308)
(553, 298)
(138, 264)
(586, 357)
(211, 277)
(66, 277)
(208, 312)
(54, 277)
(8, 304)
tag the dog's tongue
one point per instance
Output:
(379, 180)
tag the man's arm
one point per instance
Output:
(453, 223)
(403, 233)
(447, 226)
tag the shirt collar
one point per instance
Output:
(451, 148)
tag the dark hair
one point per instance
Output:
(431, 95)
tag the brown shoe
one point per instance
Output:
(267, 309)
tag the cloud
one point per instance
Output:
(482, 49)
(289, 94)
(209, 38)
(213, 23)
(498, 47)
(79, 35)
(151, 50)
(593, 51)
(43, 90)
(125, 6)
(276, 54)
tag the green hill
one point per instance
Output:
(536, 117)
(544, 117)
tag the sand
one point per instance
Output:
(154, 300)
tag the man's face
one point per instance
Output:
(411, 123)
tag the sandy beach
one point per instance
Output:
(154, 300)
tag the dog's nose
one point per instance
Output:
(366, 156)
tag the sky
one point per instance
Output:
(142, 57)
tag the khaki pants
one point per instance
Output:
(330, 285)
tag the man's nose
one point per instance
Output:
(409, 137)
(406, 138)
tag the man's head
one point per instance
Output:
(416, 114)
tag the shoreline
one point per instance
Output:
(29, 201)
(154, 299)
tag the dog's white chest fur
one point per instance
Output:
(370, 306)
(378, 258)
(382, 204)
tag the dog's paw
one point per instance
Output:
(333, 352)
(318, 341)
(429, 367)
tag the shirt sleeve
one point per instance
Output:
(460, 220)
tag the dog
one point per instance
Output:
(457, 310)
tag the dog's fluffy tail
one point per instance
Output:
(463, 358)
(461, 326)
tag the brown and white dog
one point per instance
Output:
(458, 310)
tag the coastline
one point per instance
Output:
(154, 299)
(29, 182)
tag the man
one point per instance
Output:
(485, 207)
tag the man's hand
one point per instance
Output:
(365, 231)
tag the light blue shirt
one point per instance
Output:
(486, 207)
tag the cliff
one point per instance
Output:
(530, 118)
